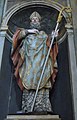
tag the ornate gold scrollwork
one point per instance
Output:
(66, 9)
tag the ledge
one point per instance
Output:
(33, 117)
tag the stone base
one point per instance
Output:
(33, 117)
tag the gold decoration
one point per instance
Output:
(67, 9)
(60, 15)
(28, 69)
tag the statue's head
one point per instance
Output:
(35, 20)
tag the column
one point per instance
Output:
(72, 67)
(74, 18)
(2, 2)
(3, 31)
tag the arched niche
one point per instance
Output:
(46, 8)
(18, 16)
(49, 19)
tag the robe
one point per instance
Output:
(28, 55)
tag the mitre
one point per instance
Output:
(35, 14)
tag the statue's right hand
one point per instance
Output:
(33, 31)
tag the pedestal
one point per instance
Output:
(33, 117)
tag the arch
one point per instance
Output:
(21, 5)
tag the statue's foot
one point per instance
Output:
(40, 113)
(35, 113)
(20, 112)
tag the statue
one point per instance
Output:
(29, 50)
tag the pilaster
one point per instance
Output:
(74, 18)
(72, 67)
(1, 10)
(3, 31)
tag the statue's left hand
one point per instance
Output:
(54, 33)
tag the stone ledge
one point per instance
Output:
(33, 117)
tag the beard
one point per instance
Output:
(35, 25)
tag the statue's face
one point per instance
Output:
(35, 20)
(35, 23)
